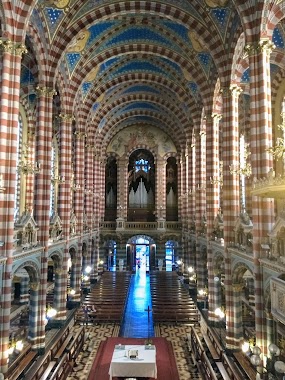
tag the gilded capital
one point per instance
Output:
(13, 47)
(238, 287)
(66, 117)
(217, 116)
(235, 89)
(34, 286)
(49, 92)
(80, 135)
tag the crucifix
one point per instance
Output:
(148, 311)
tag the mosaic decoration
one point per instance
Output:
(149, 136)
(278, 38)
(245, 76)
(142, 34)
(140, 105)
(140, 66)
(72, 60)
(178, 29)
(205, 60)
(141, 88)
(220, 16)
(97, 30)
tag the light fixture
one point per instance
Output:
(26, 166)
(72, 292)
(243, 168)
(50, 312)
(57, 179)
(15, 346)
(278, 151)
(270, 366)
(88, 269)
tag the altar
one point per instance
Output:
(143, 365)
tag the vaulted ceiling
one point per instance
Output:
(149, 63)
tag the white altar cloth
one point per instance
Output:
(143, 366)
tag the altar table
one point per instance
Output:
(142, 366)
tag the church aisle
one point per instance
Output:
(138, 322)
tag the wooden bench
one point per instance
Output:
(76, 345)
(233, 370)
(45, 375)
(64, 344)
(214, 353)
(23, 364)
(57, 345)
(245, 365)
(62, 369)
(36, 370)
(223, 371)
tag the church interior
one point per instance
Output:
(142, 185)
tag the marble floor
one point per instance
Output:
(137, 323)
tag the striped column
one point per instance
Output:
(24, 290)
(122, 194)
(187, 202)
(231, 198)
(237, 314)
(216, 302)
(200, 206)
(79, 167)
(42, 201)
(102, 174)
(212, 194)
(182, 197)
(34, 311)
(160, 194)
(89, 198)
(9, 114)
(64, 210)
(261, 161)
(192, 185)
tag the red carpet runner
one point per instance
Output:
(165, 360)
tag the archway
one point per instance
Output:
(141, 253)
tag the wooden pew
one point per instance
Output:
(61, 338)
(21, 362)
(62, 369)
(63, 346)
(76, 345)
(245, 364)
(233, 371)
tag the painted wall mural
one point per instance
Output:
(151, 137)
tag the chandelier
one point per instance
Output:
(244, 168)
(25, 165)
(278, 151)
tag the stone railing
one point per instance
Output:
(140, 225)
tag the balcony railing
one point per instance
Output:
(140, 225)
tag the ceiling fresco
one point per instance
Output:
(152, 63)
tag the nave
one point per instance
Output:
(135, 304)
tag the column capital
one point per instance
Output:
(237, 287)
(235, 89)
(264, 45)
(13, 47)
(66, 117)
(48, 91)
(217, 116)
(80, 135)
